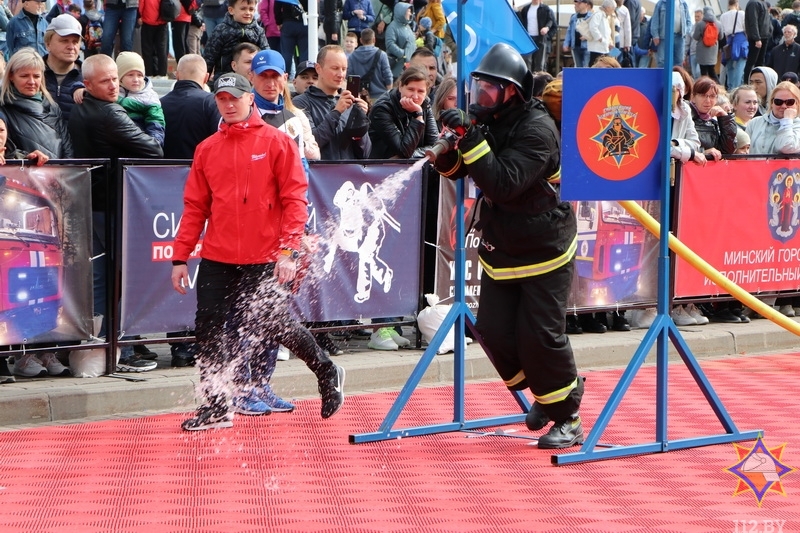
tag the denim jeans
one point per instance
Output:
(294, 43)
(643, 61)
(122, 19)
(580, 56)
(734, 73)
(212, 23)
(678, 50)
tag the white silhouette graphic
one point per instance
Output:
(361, 230)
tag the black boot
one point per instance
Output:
(563, 434)
(536, 418)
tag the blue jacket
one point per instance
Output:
(353, 22)
(21, 33)
(659, 19)
(569, 39)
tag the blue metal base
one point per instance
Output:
(459, 316)
(662, 327)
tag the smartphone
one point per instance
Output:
(354, 84)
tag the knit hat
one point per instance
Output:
(128, 61)
(552, 97)
(742, 138)
(425, 23)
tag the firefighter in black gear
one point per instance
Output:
(510, 147)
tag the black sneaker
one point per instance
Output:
(144, 352)
(208, 418)
(536, 418)
(620, 323)
(563, 435)
(135, 363)
(182, 358)
(5, 373)
(332, 391)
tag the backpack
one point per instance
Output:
(94, 35)
(366, 79)
(710, 34)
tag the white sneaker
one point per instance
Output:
(695, 313)
(786, 310)
(642, 318)
(681, 317)
(28, 366)
(53, 365)
(399, 340)
(283, 353)
(382, 340)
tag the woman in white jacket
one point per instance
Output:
(685, 141)
(778, 131)
(600, 42)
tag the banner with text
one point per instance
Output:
(742, 218)
(45, 240)
(364, 224)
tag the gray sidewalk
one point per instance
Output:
(59, 400)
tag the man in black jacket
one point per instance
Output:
(538, 20)
(100, 128)
(338, 118)
(511, 148)
(786, 57)
(758, 28)
(190, 112)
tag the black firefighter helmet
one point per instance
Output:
(505, 63)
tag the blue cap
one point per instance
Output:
(268, 60)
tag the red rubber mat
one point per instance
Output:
(297, 473)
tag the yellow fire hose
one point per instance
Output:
(709, 271)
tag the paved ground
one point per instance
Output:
(49, 400)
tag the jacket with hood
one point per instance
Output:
(400, 39)
(771, 79)
(396, 132)
(339, 137)
(252, 176)
(227, 35)
(771, 135)
(706, 55)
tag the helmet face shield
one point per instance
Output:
(486, 93)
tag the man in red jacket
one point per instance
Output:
(249, 252)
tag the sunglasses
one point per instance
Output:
(779, 102)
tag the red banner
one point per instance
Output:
(742, 218)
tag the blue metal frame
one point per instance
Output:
(662, 331)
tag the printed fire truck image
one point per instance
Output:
(610, 244)
(31, 263)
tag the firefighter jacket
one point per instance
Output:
(515, 160)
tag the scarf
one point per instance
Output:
(267, 106)
(38, 97)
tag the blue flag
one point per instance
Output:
(487, 22)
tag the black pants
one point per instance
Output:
(710, 71)
(755, 58)
(180, 31)
(154, 49)
(522, 324)
(241, 309)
